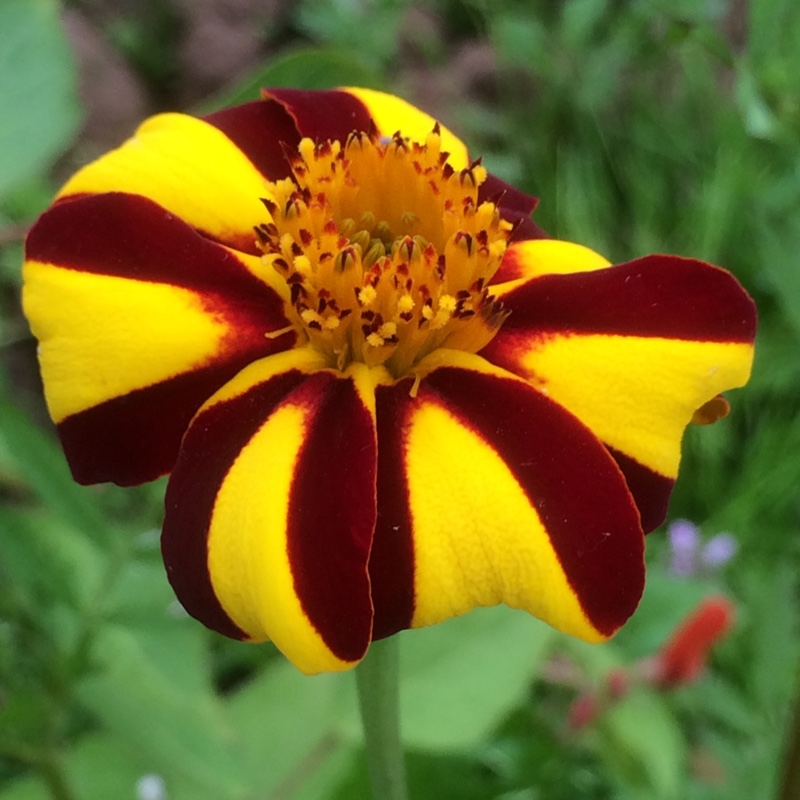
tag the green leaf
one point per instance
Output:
(48, 561)
(293, 718)
(337, 771)
(642, 744)
(154, 693)
(38, 460)
(102, 767)
(29, 789)
(430, 776)
(37, 90)
(460, 678)
(310, 68)
(768, 635)
(141, 596)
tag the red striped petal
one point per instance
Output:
(131, 434)
(391, 563)
(211, 447)
(652, 296)
(573, 485)
(322, 115)
(651, 490)
(327, 525)
(632, 350)
(261, 130)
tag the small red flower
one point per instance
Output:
(585, 709)
(684, 656)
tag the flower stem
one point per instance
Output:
(378, 699)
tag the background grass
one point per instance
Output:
(643, 126)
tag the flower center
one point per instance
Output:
(385, 249)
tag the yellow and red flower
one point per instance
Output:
(383, 395)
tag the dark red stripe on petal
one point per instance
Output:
(259, 130)
(332, 515)
(657, 295)
(391, 564)
(332, 504)
(507, 196)
(130, 236)
(524, 228)
(210, 447)
(322, 115)
(650, 490)
(135, 438)
(568, 476)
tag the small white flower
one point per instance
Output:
(151, 787)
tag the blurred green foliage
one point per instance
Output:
(643, 125)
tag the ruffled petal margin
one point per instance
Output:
(139, 319)
(633, 351)
(489, 492)
(270, 510)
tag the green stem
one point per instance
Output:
(790, 788)
(378, 699)
(53, 776)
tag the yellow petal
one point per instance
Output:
(510, 500)
(637, 394)
(191, 169)
(127, 334)
(532, 258)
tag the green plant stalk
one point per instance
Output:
(377, 679)
(53, 776)
(790, 788)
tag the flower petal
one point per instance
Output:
(391, 114)
(632, 350)
(335, 114)
(496, 494)
(270, 510)
(321, 115)
(191, 169)
(533, 258)
(262, 130)
(140, 320)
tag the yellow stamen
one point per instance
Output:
(385, 250)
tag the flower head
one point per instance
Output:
(688, 555)
(684, 539)
(685, 654)
(383, 396)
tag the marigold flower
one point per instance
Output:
(383, 395)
